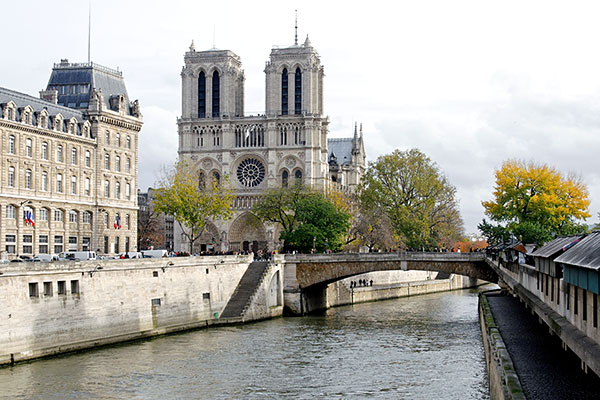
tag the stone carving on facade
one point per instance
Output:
(233, 154)
(194, 157)
(135, 108)
(279, 155)
(290, 162)
(207, 164)
(220, 157)
(301, 155)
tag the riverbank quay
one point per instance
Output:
(524, 360)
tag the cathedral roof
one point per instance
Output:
(341, 148)
(75, 81)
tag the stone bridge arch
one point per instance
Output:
(307, 276)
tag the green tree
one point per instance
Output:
(418, 199)
(535, 203)
(306, 217)
(184, 194)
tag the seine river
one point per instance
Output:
(424, 347)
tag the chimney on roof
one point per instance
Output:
(50, 96)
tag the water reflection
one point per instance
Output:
(420, 348)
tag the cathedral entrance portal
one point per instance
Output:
(247, 233)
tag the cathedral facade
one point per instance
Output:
(286, 144)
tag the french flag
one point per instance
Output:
(117, 221)
(29, 218)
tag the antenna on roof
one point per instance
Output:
(89, 28)
(296, 29)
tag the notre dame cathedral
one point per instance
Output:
(287, 143)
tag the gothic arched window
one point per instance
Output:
(298, 177)
(201, 95)
(284, 91)
(201, 181)
(216, 94)
(284, 178)
(217, 177)
(298, 91)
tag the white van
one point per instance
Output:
(155, 253)
(77, 255)
(130, 254)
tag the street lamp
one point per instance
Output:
(314, 248)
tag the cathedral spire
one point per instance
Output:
(296, 30)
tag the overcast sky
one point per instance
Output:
(469, 83)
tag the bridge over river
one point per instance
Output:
(306, 276)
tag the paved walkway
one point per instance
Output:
(545, 370)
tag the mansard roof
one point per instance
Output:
(75, 81)
(23, 100)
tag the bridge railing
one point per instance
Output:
(391, 256)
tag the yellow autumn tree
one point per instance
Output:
(184, 193)
(535, 203)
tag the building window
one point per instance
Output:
(11, 176)
(87, 186)
(85, 243)
(11, 212)
(284, 91)
(298, 176)
(28, 244)
(59, 183)
(59, 153)
(72, 216)
(106, 189)
(128, 142)
(284, 178)
(117, 163)
(107, 161)
(28, 146)
(117, 190)
(11, 144)
(107, 137)
(43, 214)
(128, 165)
(216, 94)
(201, 95)
(127, 221)
(44, 182)
(43, 244)
(87, 217)
(106, 220)
(33, 289)
(127, 191)
(72, 243)
(61, 289)
(298, 91)
(87, 158)
(75, 287)
(44, 151)
(28, 179)
(127, 244)
(58, 244)
(73, 184)
(58, 215)
(155, 302)
(11, 243)
(118, 139)
(105, 244)
(47, 289)
(74, 156)
(117, 245)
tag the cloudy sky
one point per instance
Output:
(470, 83)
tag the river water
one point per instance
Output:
(423, 347)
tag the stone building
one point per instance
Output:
(154, 229)
(285, 144)
(69, 164)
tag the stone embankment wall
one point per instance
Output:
(503, 379)
(394, 284)
(51, 308)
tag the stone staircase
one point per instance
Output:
(244, 291)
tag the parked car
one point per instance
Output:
(77, 255)
(155, 253)
(131, 254)
(45, 258)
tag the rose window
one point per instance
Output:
(251, 172)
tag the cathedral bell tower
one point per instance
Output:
(213, 84)
(294, 81)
